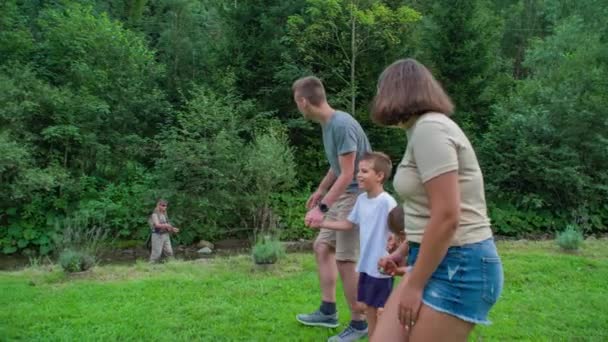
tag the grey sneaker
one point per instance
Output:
(349, 334)
(319, 319)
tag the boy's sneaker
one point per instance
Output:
(349, 334)
(319, 319)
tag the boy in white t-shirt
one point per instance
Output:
(370, 214)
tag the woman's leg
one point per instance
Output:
(388, 327)
(431, 325)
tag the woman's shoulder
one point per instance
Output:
(435, 122)
(435, 117)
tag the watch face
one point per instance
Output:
(323, 207)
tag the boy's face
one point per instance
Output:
(367, 177)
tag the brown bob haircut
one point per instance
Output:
(406, 89)
(311, 88)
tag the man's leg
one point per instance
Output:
(350, 279)
(328, 272)
(326, 315)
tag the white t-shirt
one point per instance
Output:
(371, 215)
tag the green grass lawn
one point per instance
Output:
(548, 296)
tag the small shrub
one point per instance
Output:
(570, 239)
(81, 242)
(75, 261)
(83, 233)
(268, 251)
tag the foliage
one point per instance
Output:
(570, 239)
(73, 261)
(203, 168)
(81, 242)
(267, 250)
(547, 141)
(83, 234)
(269, 168)
(459, 43)
(341, 42)
(290, 208)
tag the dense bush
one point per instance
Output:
(75, 261)
(570, 239)
(267, 250)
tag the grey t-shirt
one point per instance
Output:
(342, 134)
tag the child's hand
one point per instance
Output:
(389, 266)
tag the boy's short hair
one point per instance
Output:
(380, 163)
(311, 88)
(396, 220)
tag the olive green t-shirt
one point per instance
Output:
(436, 145)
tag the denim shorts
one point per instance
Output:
(467, 282)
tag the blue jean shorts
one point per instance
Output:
(467, 282)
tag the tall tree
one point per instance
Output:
(460, 43)
(340, 39)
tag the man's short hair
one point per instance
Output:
(311, 88)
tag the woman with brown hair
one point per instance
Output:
(456, 275)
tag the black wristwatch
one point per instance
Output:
(323, 207)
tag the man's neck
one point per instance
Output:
(325, 113)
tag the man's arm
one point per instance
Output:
(324, 186)
(327, 182)
(347, 166)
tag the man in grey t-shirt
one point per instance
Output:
(345, 143)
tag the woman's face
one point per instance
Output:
(162, 207)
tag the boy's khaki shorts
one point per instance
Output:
(344, 243)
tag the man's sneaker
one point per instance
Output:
(319, 319)
(349, 334)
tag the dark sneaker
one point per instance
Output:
(319, 319)
(349, 334)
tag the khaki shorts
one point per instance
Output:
(344, 243)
